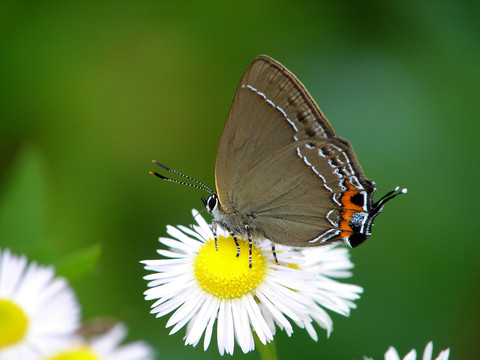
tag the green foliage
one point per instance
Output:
(79, 263)
(23, 218)
(23, 203)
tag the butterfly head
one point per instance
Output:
(211, 203)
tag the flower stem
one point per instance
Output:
(268, 351)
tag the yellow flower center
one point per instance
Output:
(13, 323)
(224, 274)
(80, 353)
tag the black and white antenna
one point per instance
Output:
(200, 185)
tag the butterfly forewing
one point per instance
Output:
(270, 108)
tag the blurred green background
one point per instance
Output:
(91, 92)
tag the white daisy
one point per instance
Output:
(392, 354)
(203, 286)
(104, 347)
(38, 312)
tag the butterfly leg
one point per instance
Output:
(236, 242)
(250, 245)
(274, 253)
(214, 231)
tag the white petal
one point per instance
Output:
(12, 269)
(443, 355)
(175, 244)
(206, 230)
(311, 331)
(267, 315)
(276, 313)
(287, 301)
(221, 329)
(427, 354)
(170, 254)
(230, 339)
(209, 330)
(201, 239)
(199, 324)
(173, 303)
(185, 312)
(243, 331)
(391, 354)
(322, 318)
(412, 355)
(257, 320)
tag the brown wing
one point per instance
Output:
(270, 160)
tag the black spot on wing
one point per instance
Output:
(358, 199)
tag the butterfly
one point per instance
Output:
(282, 173)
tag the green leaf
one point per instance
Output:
(23, 203)
(79, 263)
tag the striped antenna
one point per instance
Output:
(201, 185)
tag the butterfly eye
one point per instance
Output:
(212, 203)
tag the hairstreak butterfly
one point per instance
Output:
(281, 171)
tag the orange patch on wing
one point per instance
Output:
(346, 198)
(348, 209)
